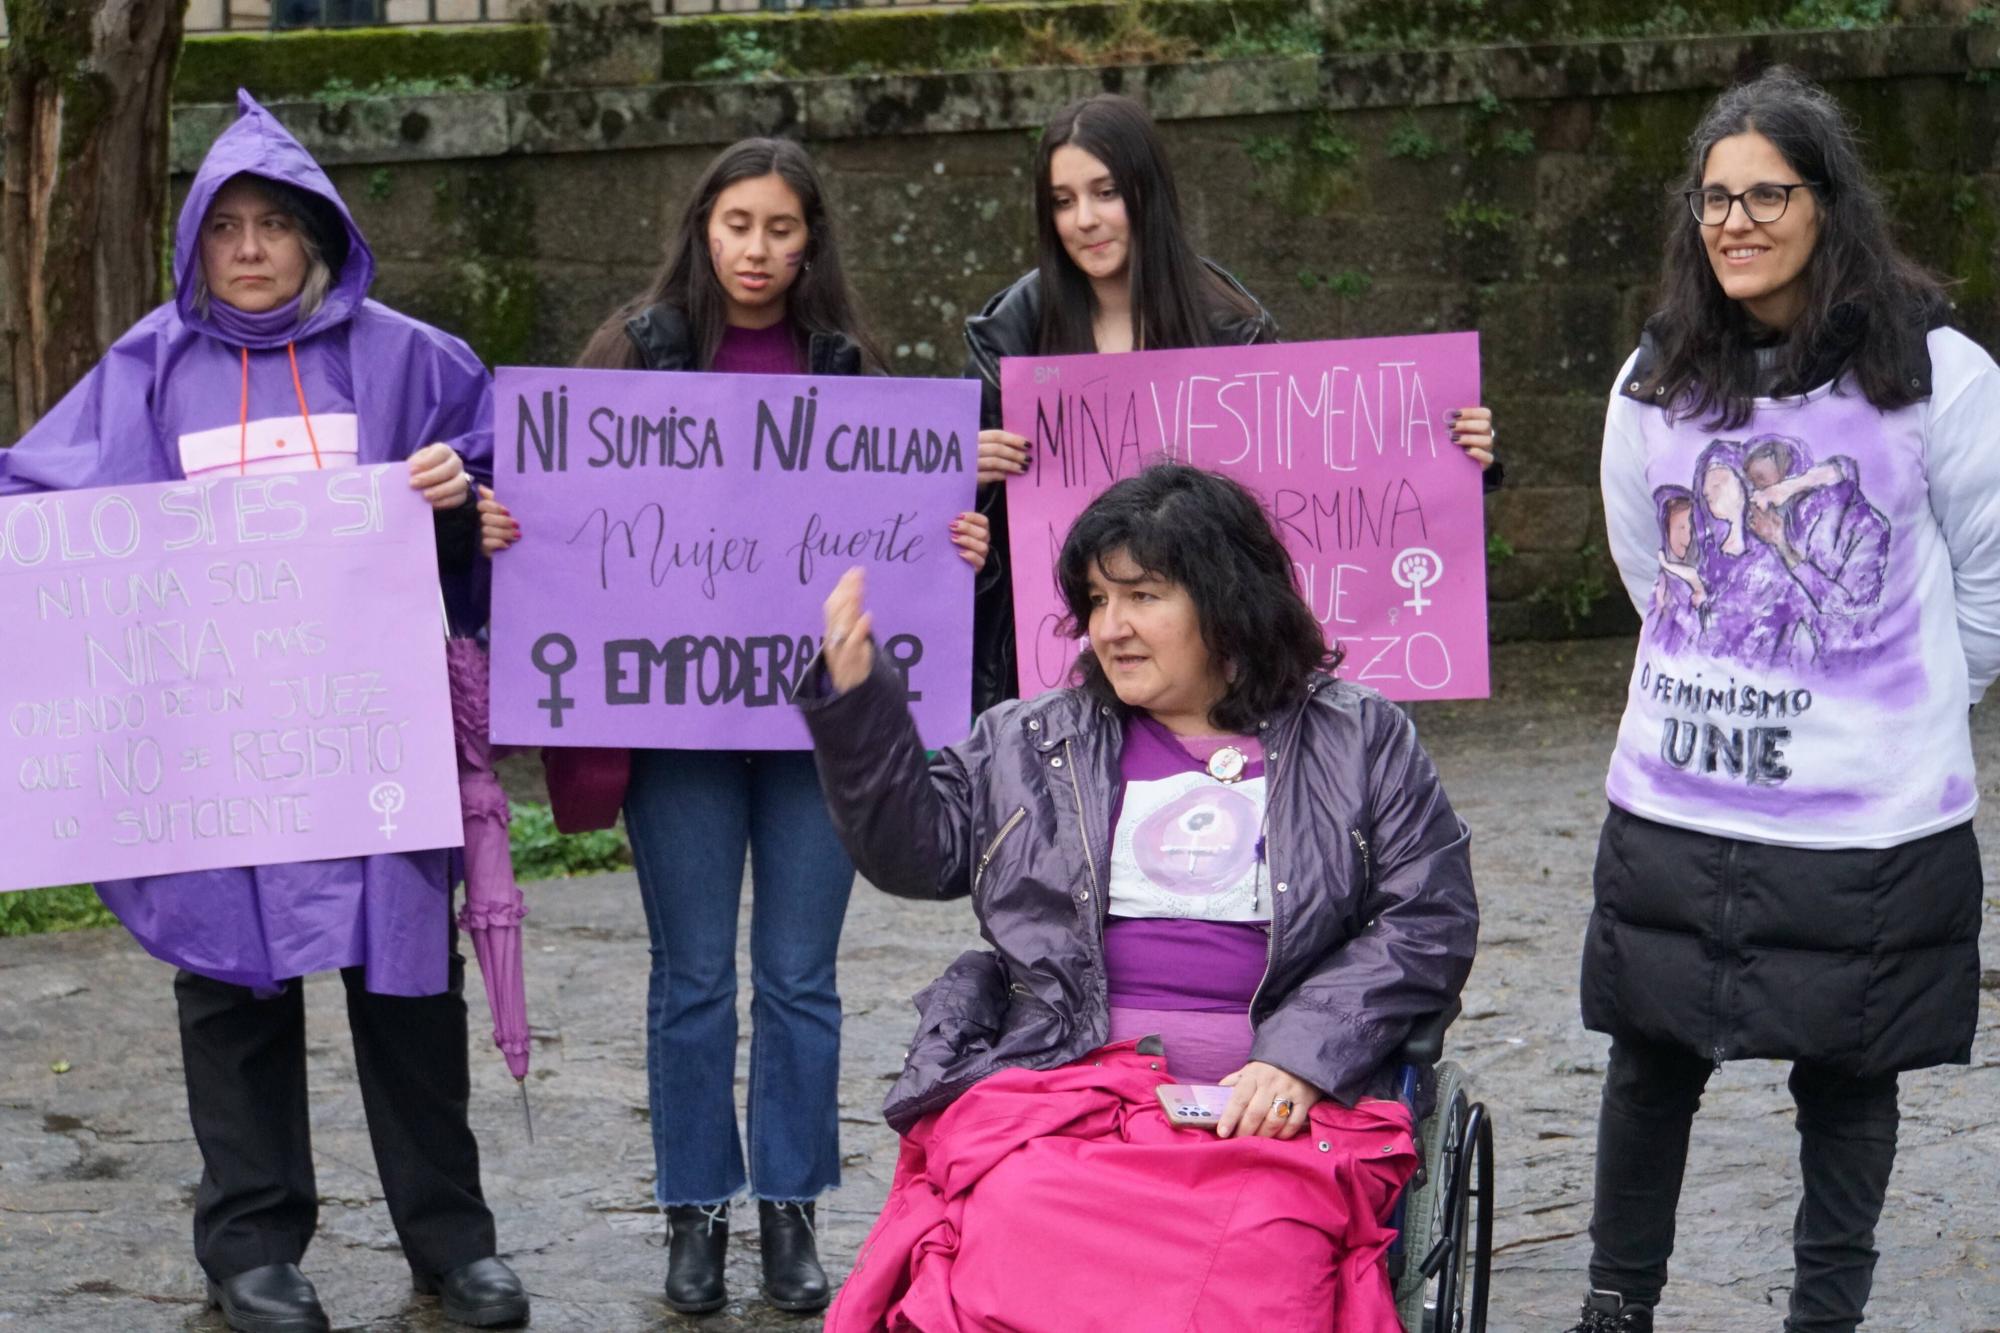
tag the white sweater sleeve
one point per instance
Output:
(1962, 458)
(1629, 518)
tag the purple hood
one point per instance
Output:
(258, 144)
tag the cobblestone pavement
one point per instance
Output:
(97, 1166)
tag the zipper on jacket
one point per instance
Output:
(1083, 829)
(994, 846)
(1271, 935)
(1367, 871)
(1725, 913)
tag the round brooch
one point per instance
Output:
(1227, 764)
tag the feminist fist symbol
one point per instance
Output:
(386, 799)
(1416, 569)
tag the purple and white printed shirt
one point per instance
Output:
(1183, 844)
(1821, 595)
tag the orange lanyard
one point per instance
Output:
(243, 412)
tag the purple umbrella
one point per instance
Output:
(493, 906)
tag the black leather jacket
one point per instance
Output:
(1009, 325)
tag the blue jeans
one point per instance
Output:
(690, 815)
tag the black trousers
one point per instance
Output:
(1847, 1146)
(246, 1081)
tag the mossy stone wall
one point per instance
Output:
(1518, 190)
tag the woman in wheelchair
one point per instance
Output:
(1209, 862)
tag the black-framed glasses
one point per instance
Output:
(1765, 201)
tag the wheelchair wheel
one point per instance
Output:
(1448, 1221)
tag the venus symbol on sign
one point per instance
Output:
(1416, 569)
(553, 655)
(386, 799)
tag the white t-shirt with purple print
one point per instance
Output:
(1821, 596)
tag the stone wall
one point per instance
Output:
(1519, 190)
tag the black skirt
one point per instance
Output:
(1865, 960)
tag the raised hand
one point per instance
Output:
(849, 652)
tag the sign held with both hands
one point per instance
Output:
(213, 673)
(681, 531)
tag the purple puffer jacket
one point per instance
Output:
(1373, 920)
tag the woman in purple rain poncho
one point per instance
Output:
(271, 358)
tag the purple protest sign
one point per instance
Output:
(221, 673)
(1347, 444)
(680, 532)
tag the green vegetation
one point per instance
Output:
(1577, 595)
(302, 64)
(1380, 25)
(1309, 169)
(1468, 218)
(40, 911)
(1409, 140)
(740, 55)
(542, 853)
(345, 65)
(981, 36)
(1498, 549)
(1347, 282)
(1301, 37)
(1843, 14)
(488, 293)
(338, 92)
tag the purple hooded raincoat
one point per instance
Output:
(372, 386)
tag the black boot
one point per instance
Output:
(793, 1279)
(1608, 1312)
(276, 1298)
(484, 1293)
(697, 1244)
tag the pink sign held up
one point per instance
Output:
(235, 672)
(1348, 444)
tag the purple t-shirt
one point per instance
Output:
(772, 351)
(1188, 939)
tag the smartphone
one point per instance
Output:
(1196, 1104)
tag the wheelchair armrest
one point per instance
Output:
(1424, 1046)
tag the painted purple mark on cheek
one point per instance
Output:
(794, 259)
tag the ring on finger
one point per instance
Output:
(1281, 1108)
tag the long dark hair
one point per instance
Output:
(819, 301)
(1863, 295)
(1174, 294)
(1207, 534)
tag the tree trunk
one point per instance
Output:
(83, 193)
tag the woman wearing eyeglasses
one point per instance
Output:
(1803, 496)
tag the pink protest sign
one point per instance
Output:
(680, 532)
(221, 673)
(1348, 445)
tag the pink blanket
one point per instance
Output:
(1064, 1201)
